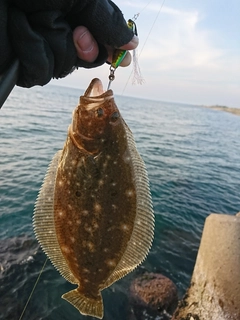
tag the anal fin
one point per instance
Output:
(86, 306)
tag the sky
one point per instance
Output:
(189, 52)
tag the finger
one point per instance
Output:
(131, 44)
(127, 60)
(86, 45)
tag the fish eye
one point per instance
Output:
(115, 116)
(100, 112)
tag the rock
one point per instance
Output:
(153, 294)
(214, 292)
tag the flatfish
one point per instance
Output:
(93, 216)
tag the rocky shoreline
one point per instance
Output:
(235, 111)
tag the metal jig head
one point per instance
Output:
(119, 55)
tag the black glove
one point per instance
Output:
(39, 34)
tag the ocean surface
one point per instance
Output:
(192, 155)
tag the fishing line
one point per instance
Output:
(148, 35)
(144, 8)
(30, 296)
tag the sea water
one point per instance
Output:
(192, 155)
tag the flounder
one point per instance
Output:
(93, 216)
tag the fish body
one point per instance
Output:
(93, 216)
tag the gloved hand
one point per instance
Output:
(39, 34)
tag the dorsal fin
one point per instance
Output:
(43, 221)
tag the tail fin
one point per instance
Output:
(87, 306)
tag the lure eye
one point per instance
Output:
(114, 117)
(100, 112)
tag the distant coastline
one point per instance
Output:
(235, 111)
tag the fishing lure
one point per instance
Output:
(119, 54)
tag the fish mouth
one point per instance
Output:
(95, 90)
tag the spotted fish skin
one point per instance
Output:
(93, 216)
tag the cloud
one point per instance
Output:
(178, 42)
